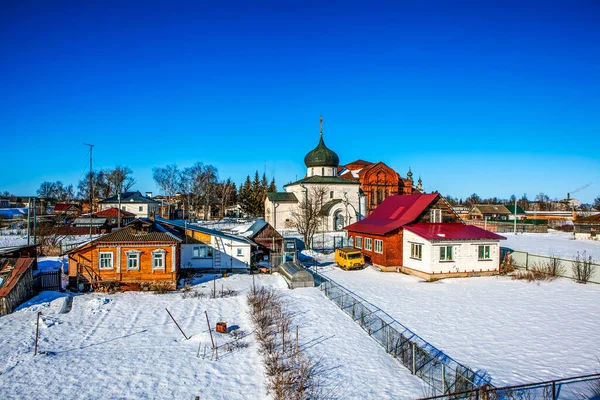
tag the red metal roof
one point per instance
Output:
(393, 213)
(451, 231)
(112, 212)
(64, 206)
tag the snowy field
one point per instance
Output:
(556, 243)
(518, 332)
(126, 346)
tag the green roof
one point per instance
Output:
(511, 208)
(329, 180)
(321, 156)
(282, 196)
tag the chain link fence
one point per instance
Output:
(576, 388)
(523, 259)
(443, 374)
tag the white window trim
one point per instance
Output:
(112, 265)
(160, 253)
(358, 242)
(368, 244)
(380, 243)
(446, 259)
(414, 246)
(434, 216)
(136, 253)
(489, 258)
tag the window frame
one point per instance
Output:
(448, 253)
(484, 247)
(111, 260)
(358, 242)
(379, 244)
(136, 256)
(368, 244)
(434, 214)
(414, 254)
(159, 254)
(239, 252)
(209, 252)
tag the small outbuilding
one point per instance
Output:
(296, 276)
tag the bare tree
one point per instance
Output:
(226, 192)
(207, 188)
(119, 179)
(168, 180)
(307, 216)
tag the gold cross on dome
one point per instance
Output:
(321, 123)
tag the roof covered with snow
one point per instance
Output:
(393, 213)
(451, 231)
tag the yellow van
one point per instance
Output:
(349, 258)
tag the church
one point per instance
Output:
(345, 194)
(340, 200)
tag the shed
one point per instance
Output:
(296, 276)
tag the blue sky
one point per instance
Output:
(488, 97)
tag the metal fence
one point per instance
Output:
(443, 374)
(576, 388)
(527, 260)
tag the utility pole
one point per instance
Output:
(91, 205)
(119, 210)
(28, 220)
(34, 222)
(515, 215)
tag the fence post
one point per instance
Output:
(553, 390)
(414, 359)
(444, 379)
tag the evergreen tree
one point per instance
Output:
(272, 187)
(245, 197)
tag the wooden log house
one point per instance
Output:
(142, 255)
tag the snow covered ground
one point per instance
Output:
(126, 346)
(517, 331)
(560, 244)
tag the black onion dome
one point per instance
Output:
(321, 156)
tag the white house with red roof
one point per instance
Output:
(420, 234)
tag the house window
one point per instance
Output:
(141, 208)
(436, 216)
(484, 252)
(446, 253)
(378, 246)
(416, 250)
(358, 242)
(322, 171)
(379, 196)
(158, 259)
(331, 194)
(368, 244)
(350, 241)
(373, 199)
(202, 252)
(133, 259)
(105, 260)
(240, 252)
(123, 208)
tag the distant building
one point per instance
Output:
(67, 209)
(17, 283)
(112, 216)
(133, 202)
(497, 212)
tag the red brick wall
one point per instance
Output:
(392, 248)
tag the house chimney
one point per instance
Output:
(149, 194)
